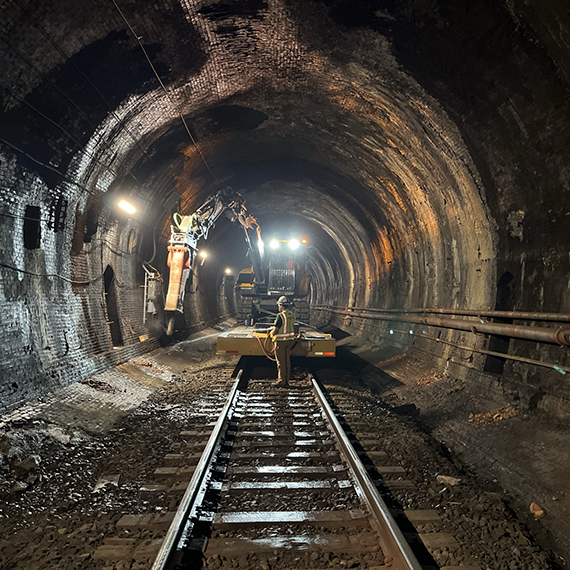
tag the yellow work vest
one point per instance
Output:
(287, 329)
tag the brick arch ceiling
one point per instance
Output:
(371, 123)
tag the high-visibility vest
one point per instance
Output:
(287, 329)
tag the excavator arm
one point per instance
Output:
(186, 231)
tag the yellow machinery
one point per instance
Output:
(282, 270)
(255, 341)
(186, 231)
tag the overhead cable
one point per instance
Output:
(48, 166)
(69, 60)
(68, 134)
(166, 92)
(52, 275)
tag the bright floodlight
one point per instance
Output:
(274, 244)
(228, 271)
(293, 244)
(203, 254)
(124, 205)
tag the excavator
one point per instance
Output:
(285, 268)
(280, 271)
(186, 231)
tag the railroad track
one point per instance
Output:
(269, 484)
(280, 485)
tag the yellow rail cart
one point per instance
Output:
(256, 341)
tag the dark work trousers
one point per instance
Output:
(283, 357)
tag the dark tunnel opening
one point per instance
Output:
(111, 306)
(505, 302)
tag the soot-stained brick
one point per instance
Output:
(243, 9)
(163, 150)
(235, 118)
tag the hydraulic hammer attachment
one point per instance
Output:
(186, 231)
(179, 261)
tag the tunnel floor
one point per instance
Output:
(73, 464)
(524, 452)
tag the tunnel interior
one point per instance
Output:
(421, 148)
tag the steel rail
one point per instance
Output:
(397, 551)
(560, 336)
(181, 524)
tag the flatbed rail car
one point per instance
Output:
(253, 341)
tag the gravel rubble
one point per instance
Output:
(69, 471)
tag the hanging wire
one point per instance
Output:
(167, 93)
(52, 275)
(53, 169)
(68, 59)
(68, 134)
(85, 116)
(153, 248)
(58, 48)
(48, 166)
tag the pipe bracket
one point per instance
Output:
(562, 336)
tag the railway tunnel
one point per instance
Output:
(420, 147)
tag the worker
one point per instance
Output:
(283, 334)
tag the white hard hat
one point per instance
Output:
(282, 301)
